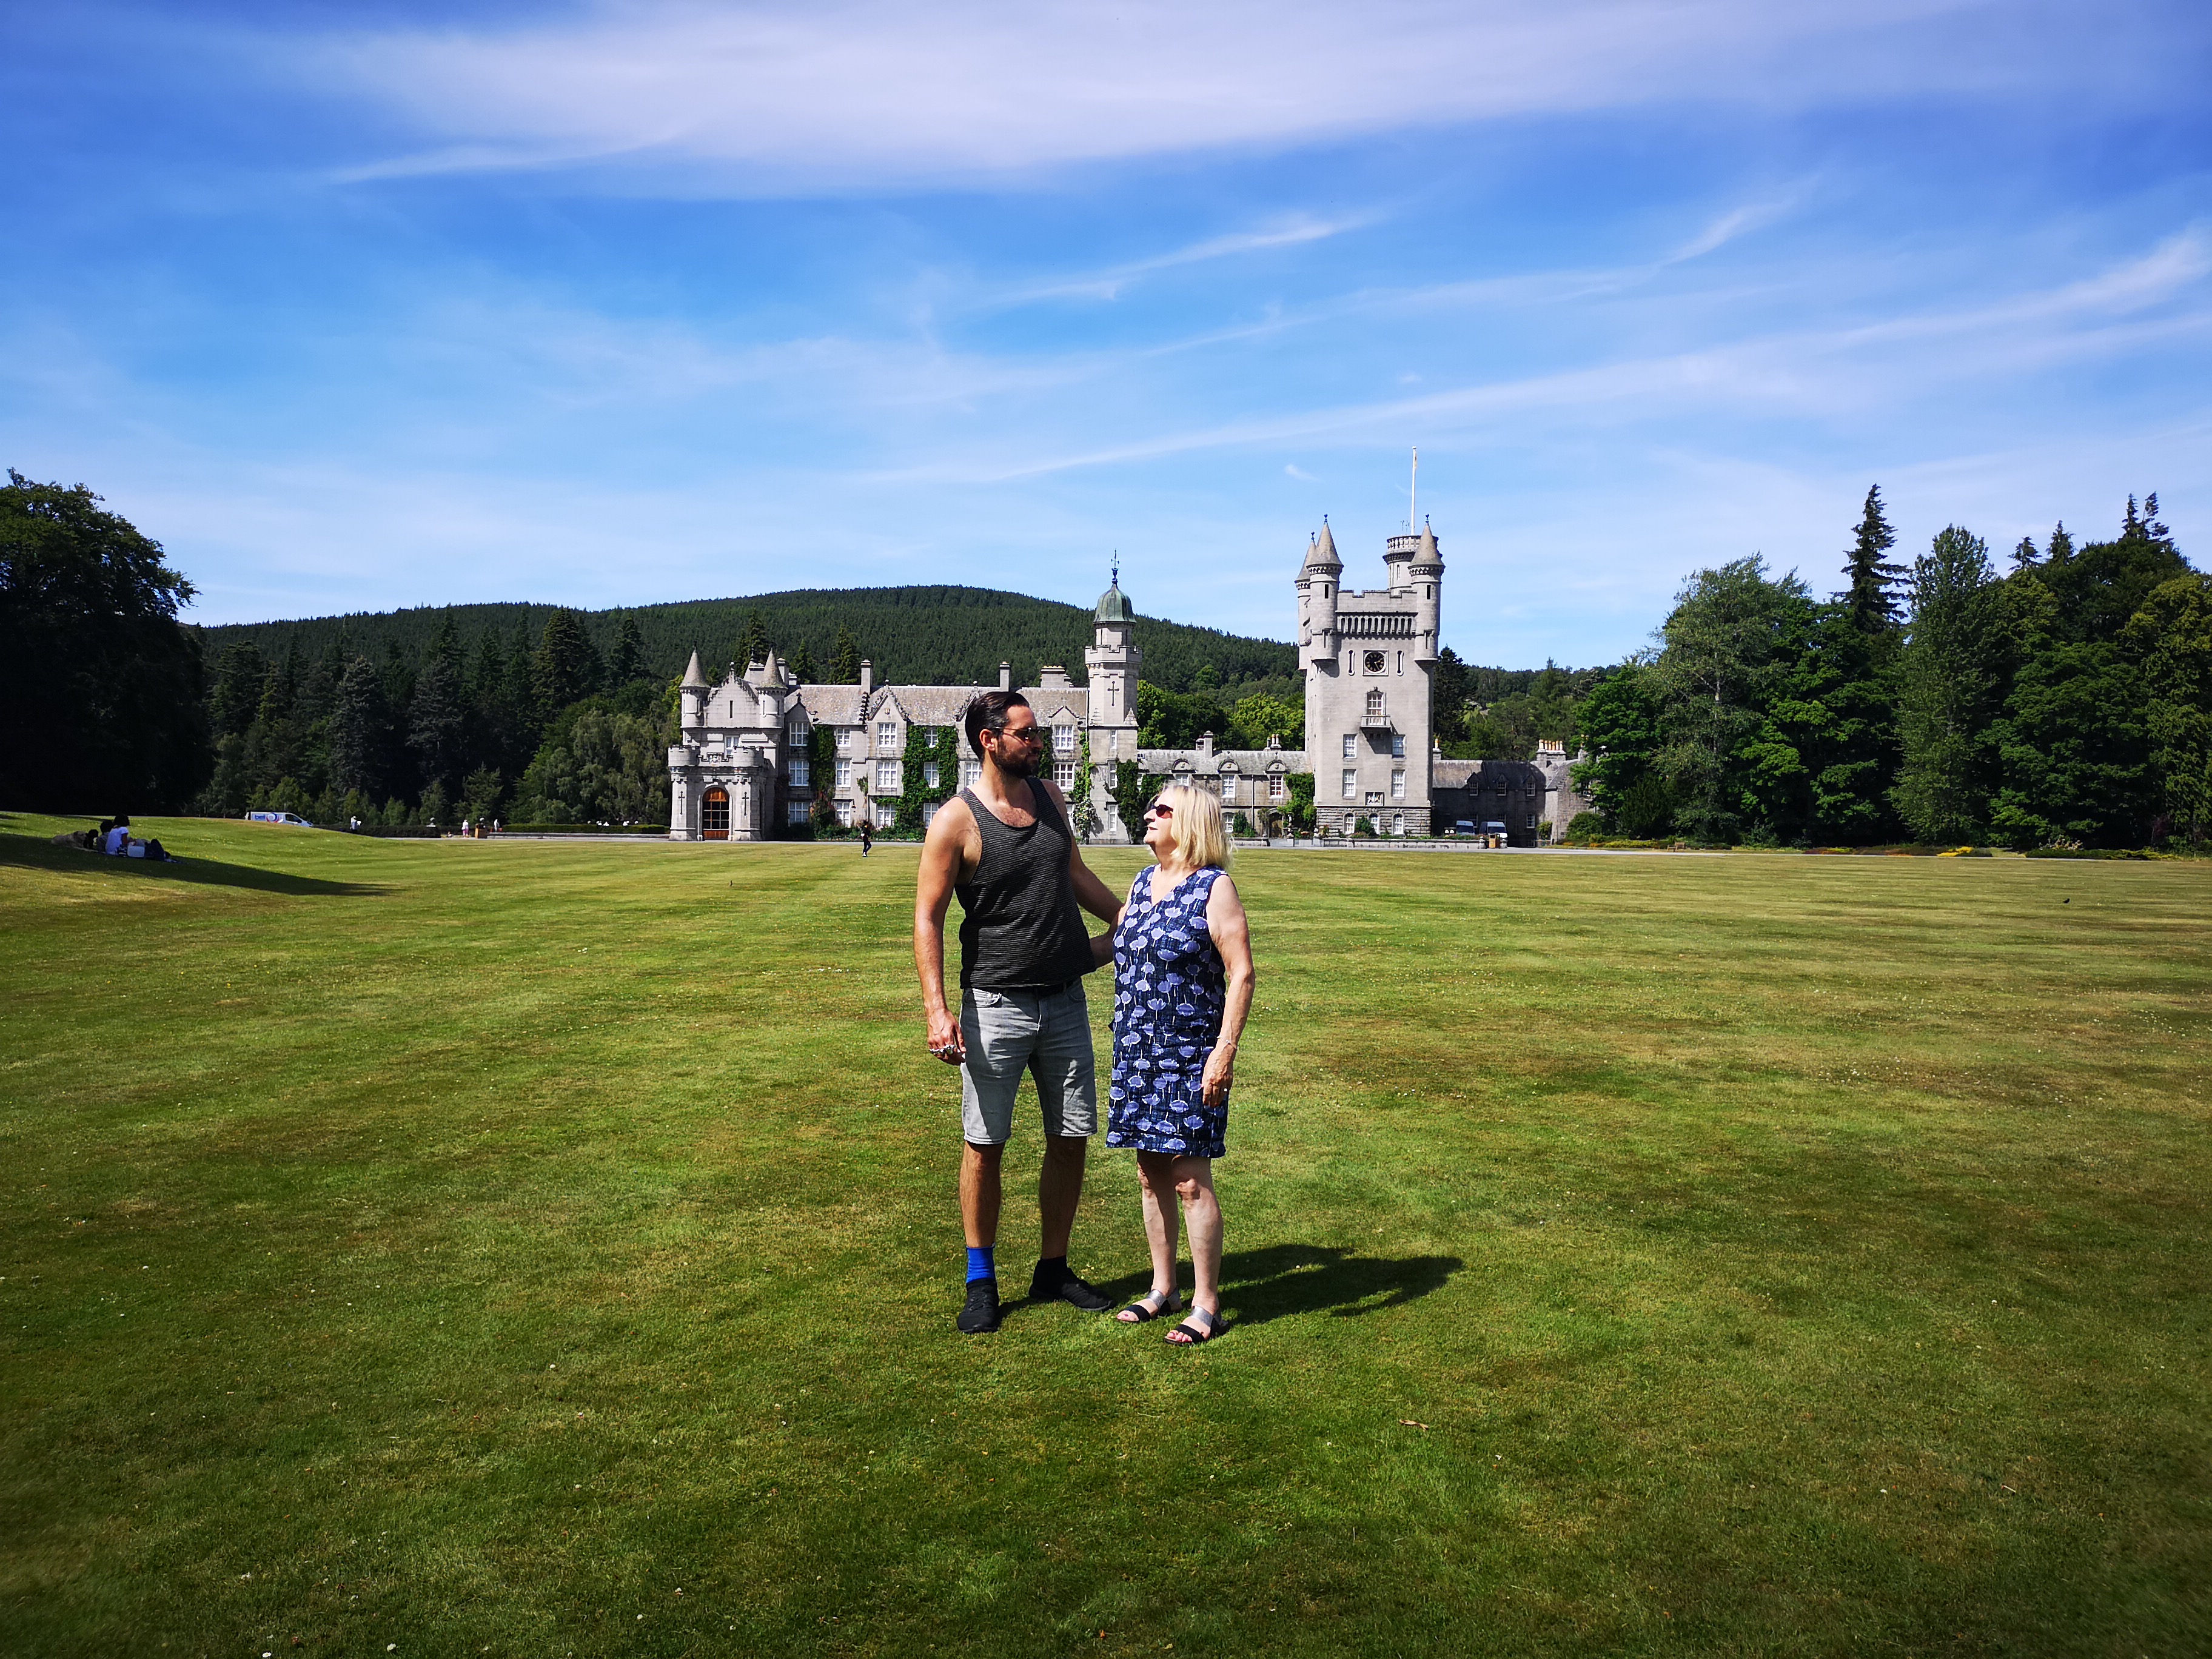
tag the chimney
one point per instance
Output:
(1205, 743)
(867, 677)
(1005, 676)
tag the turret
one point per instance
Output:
(1319, 577)
(1424, 573)
(693, 695)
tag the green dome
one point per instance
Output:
(1114, 606)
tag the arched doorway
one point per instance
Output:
(714, 815)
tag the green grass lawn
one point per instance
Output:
(541, 1248)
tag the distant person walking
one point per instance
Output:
(1003, 845)
(1182, 971)
(867, 837)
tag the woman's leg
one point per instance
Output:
(1155, 1175)
(1201, 1210)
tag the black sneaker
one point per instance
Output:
(1066, 1287)
(981, 1312)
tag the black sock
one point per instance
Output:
(1052, 1269)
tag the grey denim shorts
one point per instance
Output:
(1047, 1033)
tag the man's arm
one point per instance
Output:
(933, 897)
(1093, 894)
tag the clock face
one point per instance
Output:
(1375, 662)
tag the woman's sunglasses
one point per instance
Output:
(1159, 809)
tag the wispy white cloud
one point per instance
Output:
(781, 94)
(1108, 285)
(1797, 370)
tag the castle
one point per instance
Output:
(743, 767)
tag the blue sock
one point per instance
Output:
(980, 1262)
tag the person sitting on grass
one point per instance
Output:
(1183, 974)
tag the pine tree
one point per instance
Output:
(1873, 606)
(239, 680)
(628, 662)
(565, 667)
(802, 665)
(2062, 545)
(1952, 683)
(753, 643)
(846, 669)
(358, 728)
(2027, 555)
(438, 722)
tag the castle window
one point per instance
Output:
(1351, 783)
(929, 773)
(886, 815)
(887, 777)
(795, 771)
(1063, 773)
(1402, 662)
(844, 773)
(1397, 824)
(798, 812)
(845, 814)
(1113, 742)
(971, 773)
(1277, 789)
(1398, 744)
(929, 810)
(1398, 783)
(1063, 739)
(1351, 746)
(1375, 703)
(887, 734)
(795, 729)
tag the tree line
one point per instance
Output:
(2063, 702)
(926, 635)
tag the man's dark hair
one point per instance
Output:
(987, 712)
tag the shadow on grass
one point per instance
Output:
(1282, 1280)
(25, 853)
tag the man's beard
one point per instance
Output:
(1016, 763)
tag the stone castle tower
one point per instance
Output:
(1368, 658)
(1110, 665)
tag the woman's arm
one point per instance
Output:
(1233, 937)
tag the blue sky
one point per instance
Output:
(362, 307)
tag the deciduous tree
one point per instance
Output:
(101, 689)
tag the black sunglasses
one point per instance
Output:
(1159, 809)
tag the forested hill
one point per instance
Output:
(915, 635)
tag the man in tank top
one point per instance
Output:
(1005, 847)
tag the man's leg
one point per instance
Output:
(980, 1195)
(1067, 1092)
(1060, 1189)
(999, 1034)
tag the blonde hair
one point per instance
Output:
(1201, 841)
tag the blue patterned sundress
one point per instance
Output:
(1169, 988)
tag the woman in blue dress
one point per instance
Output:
(1182, 983)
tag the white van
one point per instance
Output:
(279, 818)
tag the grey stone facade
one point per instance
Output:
(742, 769)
